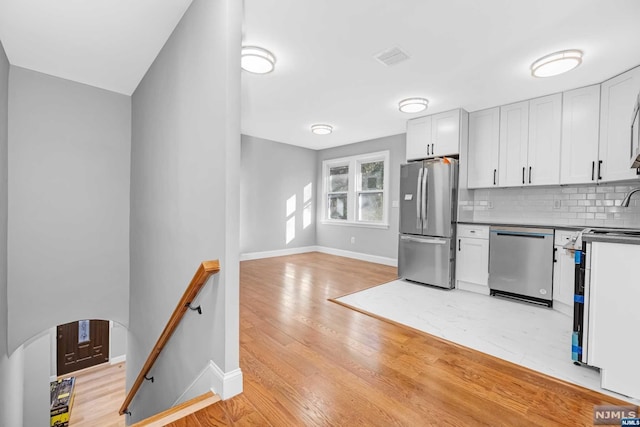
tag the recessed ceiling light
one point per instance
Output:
(257, 60)
(321, 129)
(556, 63)
(413, 105)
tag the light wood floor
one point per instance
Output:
(307, 361)
(99, 392)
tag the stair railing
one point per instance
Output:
(205, 270)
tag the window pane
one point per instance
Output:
(83, 331)
(339, 178)
(337, 206)
(372, 175)
(370, 207)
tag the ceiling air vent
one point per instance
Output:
(391, 56)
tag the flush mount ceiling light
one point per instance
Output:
(413, 105)
(321, 129)
(556, 63)
(257, 60)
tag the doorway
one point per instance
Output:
(82, 344)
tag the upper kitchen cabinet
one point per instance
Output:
(530, 133)
(545, 130)
(484, 142)
(617, 100)
(580, 132)
(514, 134)
(435, 136)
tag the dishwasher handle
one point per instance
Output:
(526, 235)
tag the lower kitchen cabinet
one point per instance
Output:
(563, 273)
(472, 258)
(614, 316)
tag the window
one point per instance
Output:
(356, 190)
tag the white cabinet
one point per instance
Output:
(435, 136)
(543, 150)
(514, 134)
(530, 133)
(418, 137)
(472, 258)
(614, 316)
(564, 268)
(617, 99)
(580, 133)
(484, 142)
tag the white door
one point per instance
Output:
(418, 137)
(514, 132)
(563, 280)
(617, 101)
(580, 133)
(483, 150)
(545, 129)
(472, 263)
(445, 134)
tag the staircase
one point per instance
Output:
(179, 411)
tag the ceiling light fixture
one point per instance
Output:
(257, 60)
(413, 105)
(320, 129)
(556, 63)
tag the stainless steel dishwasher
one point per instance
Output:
(521, 263)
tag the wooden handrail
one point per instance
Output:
(205, 270)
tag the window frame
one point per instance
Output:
(354, 164)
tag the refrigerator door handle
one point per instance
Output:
(424, 199)
(422, 240)
(419, 199)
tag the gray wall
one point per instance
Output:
(37, 399)
(271, 174)
(185, 165)
(68, 238)
(118, 340)
(10, 368)
(372, 241)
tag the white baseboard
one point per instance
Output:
(279, 252)
(118, 359)
(331, 251)
(212, 378)
(359, 255)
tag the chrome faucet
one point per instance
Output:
(625, 201)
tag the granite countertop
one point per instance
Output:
(514, 224)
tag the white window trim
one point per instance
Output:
(355, 183)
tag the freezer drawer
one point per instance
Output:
(427, 260)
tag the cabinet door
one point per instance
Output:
(418, 137)
(484, 142)
(514, 132)
(617, 100)
(445, 134)
(580, 133)
(472, 263)
(543, 148)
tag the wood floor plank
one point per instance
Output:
(307, 361)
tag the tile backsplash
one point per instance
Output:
(575, 205)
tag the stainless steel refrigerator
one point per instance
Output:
(428, 195)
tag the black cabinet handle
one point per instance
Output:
(459, 240)
(599, 168)
(555, 250)
(432, 149)
(593, 170)
(427, 149)
(529, 174)
(494, 176)
(523, 175)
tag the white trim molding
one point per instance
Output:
(224, 384)
(393, 262)
(118, 359)
(279, 252)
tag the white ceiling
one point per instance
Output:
(109, 44)
(464, 53)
